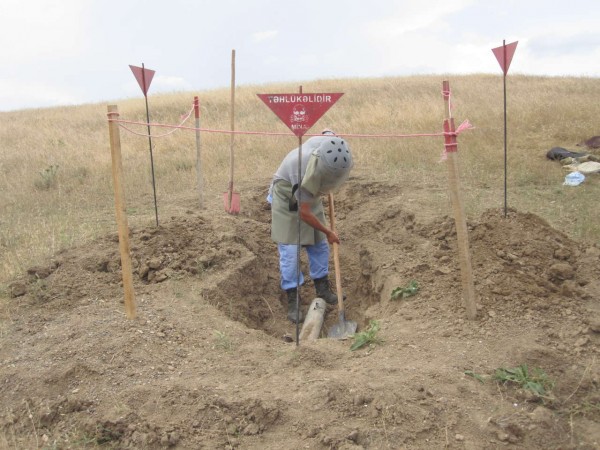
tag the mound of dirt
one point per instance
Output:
(205, 365)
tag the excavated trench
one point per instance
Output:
(231, 262)
(234, 264)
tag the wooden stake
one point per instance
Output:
(123, 228)
(232, 136)
(464, 254)
(199, 180)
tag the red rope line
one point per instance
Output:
(448, 94)
(266, 133)
(185, 118)
(466, 125)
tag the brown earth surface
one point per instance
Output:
(206, 362)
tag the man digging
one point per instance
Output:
(326, 164)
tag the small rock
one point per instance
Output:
(561, 271)
(143, 271)
(569, 289)
(562, 253)
(443, 271)
(313, 432)
(502, 436)
(160, 277)
(353, 436)
(594, 325)
(154, 263)
(40, 272)
(17, 290)
(139, 438)
(542, 415)
(251, 429)
(173, 439)
(359, 400)
(459, 437)
(513, 439)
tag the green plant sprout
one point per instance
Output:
(408, 291)
(475, 375)
(222, 341)
(48, 178)
(367, 337)
(535, 380)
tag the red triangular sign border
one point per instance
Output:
(300, 111)
(142, 74)
(499, 54)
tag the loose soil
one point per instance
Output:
(207, 362)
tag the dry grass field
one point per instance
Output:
(55, 175)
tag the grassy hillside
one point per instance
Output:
(55, 173)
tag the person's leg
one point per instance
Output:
(288, 254)
(318, 258)
(287, 266)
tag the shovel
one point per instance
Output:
(344, 328)
(231, 199)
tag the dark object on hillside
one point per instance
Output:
(593, 142)
(559, 153)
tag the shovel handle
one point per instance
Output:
(336, 259)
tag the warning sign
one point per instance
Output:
(505, 54)
(300, 111)
(143, 76)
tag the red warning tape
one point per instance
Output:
(449, 135)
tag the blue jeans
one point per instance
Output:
(318, 261)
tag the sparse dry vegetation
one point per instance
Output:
(208, 361)
(55, 177)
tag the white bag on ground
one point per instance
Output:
(574, 179)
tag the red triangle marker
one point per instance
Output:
(499, 52)
(300, 111)
(143, 76)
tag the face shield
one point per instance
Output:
(335, 163)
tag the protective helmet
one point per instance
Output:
(335, 154)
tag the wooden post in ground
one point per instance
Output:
(464, 253)
(123, 228)
(199, 179)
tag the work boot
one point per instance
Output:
(291, 315)
(324, 290)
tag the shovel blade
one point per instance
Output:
(343, 329)
(234, 207)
